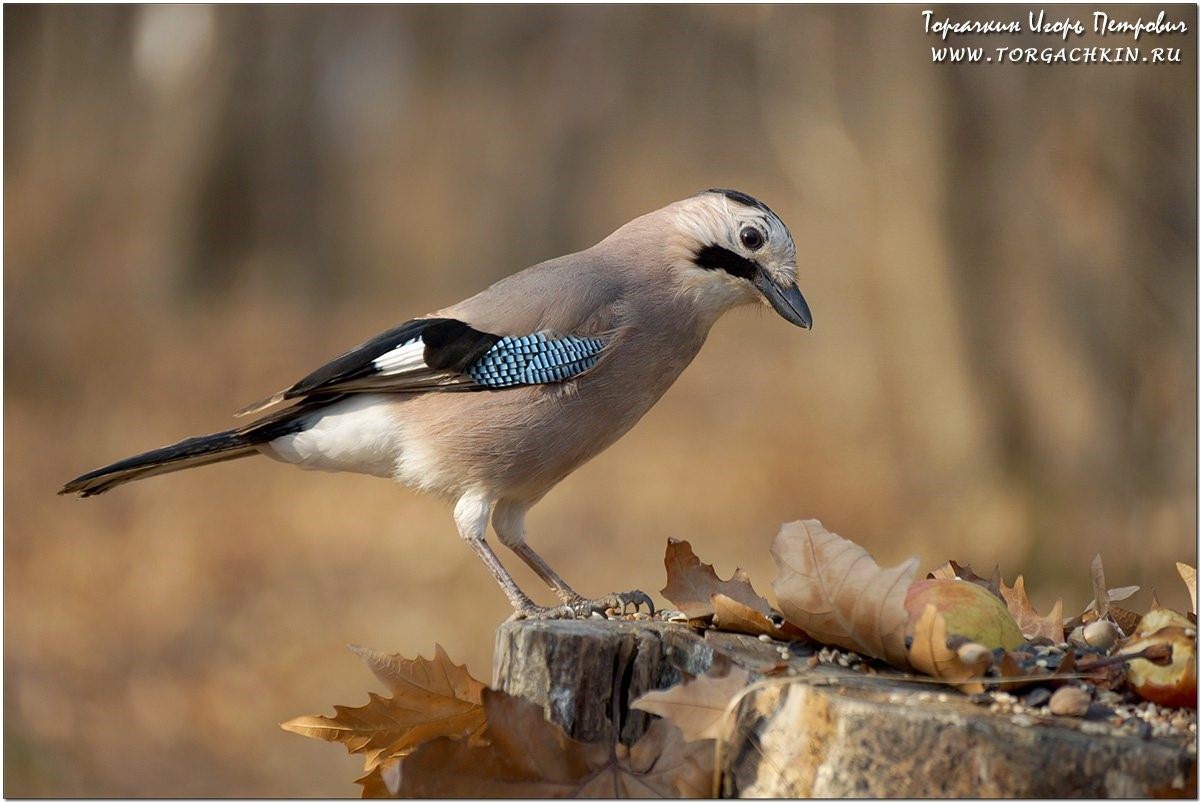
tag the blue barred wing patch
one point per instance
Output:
(535, 359)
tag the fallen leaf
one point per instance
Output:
(383, 781)
(1032, 625)
(1103, 596)
(832, 589)
(1126, 620)
(952, 570)
(528, 756)
(692, 583)
(431, 698)
(1188, 574)
(699, 707)
(930, 654)
(731, 615)
(660, 764)
(1017, 677)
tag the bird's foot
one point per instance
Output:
(579, 607)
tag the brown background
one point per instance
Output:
(203, 204)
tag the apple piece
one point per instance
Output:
(1171, 683)
(969, 610)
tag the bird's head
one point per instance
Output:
(731, 250)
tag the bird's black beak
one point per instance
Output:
(786, 300)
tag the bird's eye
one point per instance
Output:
(752, 238)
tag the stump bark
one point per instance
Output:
(821, 733)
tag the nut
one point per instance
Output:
(1070, 701)
(1102, 634)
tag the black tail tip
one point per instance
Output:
(79, 486)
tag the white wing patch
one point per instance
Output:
(404, 358)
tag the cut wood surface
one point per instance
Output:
(821, 731)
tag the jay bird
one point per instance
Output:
(493, 401)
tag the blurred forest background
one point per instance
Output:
(202, 204)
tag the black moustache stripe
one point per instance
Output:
(714, 257)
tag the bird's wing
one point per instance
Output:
(444, 354)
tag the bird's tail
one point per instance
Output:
(194, 451)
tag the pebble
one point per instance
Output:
(765, 638)
(1037, 697)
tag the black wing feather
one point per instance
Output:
(451, 346)
(359, 361)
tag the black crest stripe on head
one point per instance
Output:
(744, 199)
(714, 257)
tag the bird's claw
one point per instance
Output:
(584, 608)
(619, 602)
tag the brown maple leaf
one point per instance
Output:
(832, 589)
(383, 781)
(700, 707)
(431, 698)
(527, 756)
(1030, 623)
(931, 654)
(692, 583)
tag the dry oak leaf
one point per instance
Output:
(528, 756)
(699, 707)
(730, 615)
(930, 654)
(1099, 606)
(832, 589)
(1032, 625)
(1188, 574)
(952, 570)
(691, 583)
(431, 698)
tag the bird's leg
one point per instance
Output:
(471, 516)
(509, 522)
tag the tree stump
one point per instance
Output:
(818, 732)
